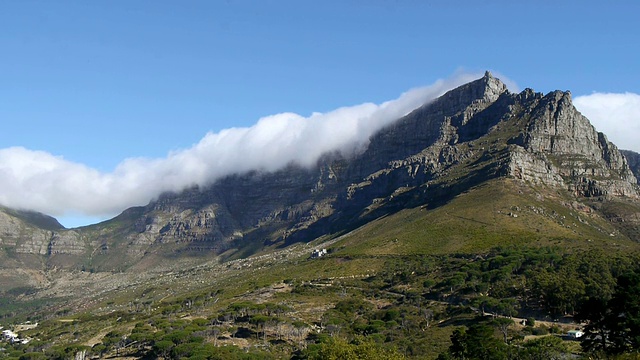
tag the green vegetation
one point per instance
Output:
(496, 213)
(417, 284)
(613, 321)
(413, 306)
(19, 310)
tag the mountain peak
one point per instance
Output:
(492, 87)
(483, 91)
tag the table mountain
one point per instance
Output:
(470, 135)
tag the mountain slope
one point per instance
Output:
(442, 259)
(482, 199)
(634, 162)
(472, 134)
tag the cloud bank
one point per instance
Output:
(40, 181)
(616, 115)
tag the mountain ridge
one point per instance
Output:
(480, 201)
(476, 132)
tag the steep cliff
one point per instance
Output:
(561, 147)
(32, 241)
(633, 158)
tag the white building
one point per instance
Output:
(318, 253)
(9, 335)
(575, 334)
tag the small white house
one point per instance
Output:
(318, 253)
(9, 335)
(575, 334)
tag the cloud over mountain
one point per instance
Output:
(40, 181)
(616, 115)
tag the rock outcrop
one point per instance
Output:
(561, 147)
(633, 158)
(24, 234)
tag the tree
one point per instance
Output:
(544, 348)
(481, 344)
(361, 348)
(503, 325)
(99, 349)
(613, 326)
(114, 339)
(507, 307)
(178, 337)
(561, 292)
(458, 348)
(625, 306)
(163, 348)
(531, 322)
(32, 356)
(427, 315)
(477, 342)
(261, 321)
(596, 314)
(215, 332)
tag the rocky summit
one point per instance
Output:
(468, 136)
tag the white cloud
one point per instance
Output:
(616, 115)
(50, 184)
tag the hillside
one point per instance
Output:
(404, 269)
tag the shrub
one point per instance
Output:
(531, 322)
(542, 330)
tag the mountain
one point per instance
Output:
(634, 162)
(476, 134)
(480, 201)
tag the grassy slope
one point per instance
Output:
(497, 213)
(472, 222)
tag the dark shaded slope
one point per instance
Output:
(634, 161)
(35, 219)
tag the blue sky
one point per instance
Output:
(85, 85)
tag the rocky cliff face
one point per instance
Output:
(24, 235)
(560, 147)
(471, 134)
(633, 158)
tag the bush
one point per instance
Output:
(555, 329)
(542, 330)
(530, 322)
(527, 330)
(32, 356)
